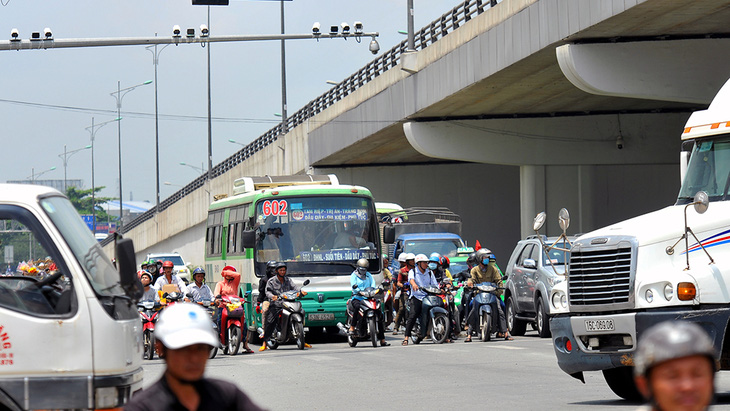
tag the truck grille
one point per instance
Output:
(600, 277)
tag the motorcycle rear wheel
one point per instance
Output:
(486, 326)
(416, 333)
(373, 331)
(299, 330)
(234, 340)
(440, 328)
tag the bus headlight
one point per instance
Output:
(668, 292)
(649, 295)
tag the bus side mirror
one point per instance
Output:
(127, 269)
(388, 234)
(248, 238)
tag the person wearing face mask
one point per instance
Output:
(486, 271)
(276, 286)
(434, 264)
(363, 279)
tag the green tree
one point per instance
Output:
(81, 200)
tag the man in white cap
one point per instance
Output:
(184, 336)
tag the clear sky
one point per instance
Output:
(48, 97)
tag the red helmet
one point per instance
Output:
(168, 263)
(229, 268)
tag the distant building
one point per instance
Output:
(130, 209)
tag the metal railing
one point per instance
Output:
(448, 22)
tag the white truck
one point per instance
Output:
(70, 334)
(670, 264)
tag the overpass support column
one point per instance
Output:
(532, 196)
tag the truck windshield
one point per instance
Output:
(708, 170)
(446, 247)
(96, 265)
(329, 230)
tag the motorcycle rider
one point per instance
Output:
(434, 264)
(199, 289)
(150, 293)
(363, 279)
(675, 367)
(261, 299)
(168, 277)
(276, 286)
(185, 336)
(419, 276)
(229, 286)
(152, 269)
(407, 265)
(485, 271)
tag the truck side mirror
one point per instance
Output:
(248, 237)
(388, 234)
(127, 269)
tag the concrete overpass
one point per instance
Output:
(503, 111)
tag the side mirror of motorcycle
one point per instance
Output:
(354, 286)
(165, 295)
(189, 295)
(306, 282)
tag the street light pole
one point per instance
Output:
(283, 75)
(210, 122)
(92, 130)
(118, 95)
(155, 61)
(65, 156)
(33, 176)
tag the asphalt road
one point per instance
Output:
(520, 374)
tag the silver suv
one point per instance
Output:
(531, 273)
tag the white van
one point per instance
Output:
(69, 327)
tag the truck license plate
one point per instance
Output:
(599, 325)
(321, 317)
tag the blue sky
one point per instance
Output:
(246, 81)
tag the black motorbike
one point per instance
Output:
(371, 316)
(484, 300)
(433, 309)
(290, 324)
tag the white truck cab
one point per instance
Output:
(671, 264)
(70, 334)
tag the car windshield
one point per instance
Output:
(316, 229)
(457, 267)
(176, 259)
(447, 247)
(708, 170)
(96, 265)
(556, 256)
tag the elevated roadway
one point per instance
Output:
(505, 109)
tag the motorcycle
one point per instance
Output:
(370, 316)
(290, 324)
(210, 308)
(485, 299)
(388, 301)
(148, 311)
(433, 308)
(231, 329)
(451, 291)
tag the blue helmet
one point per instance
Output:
(435, 258)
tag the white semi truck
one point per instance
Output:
(671, 264)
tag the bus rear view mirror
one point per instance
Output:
(388, 234)
(248, 238)
(127, 269)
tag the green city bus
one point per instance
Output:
(318, 227)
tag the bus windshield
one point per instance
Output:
(316, 229)
(708, 170)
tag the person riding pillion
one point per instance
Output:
(276, 286)
(420, 276)
(363, 279)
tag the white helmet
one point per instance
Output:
(402, 257)
(421, 257)
(185, 324)
(410, 256)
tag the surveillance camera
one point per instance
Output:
(315, 28)
(358, 27)
(345, 28)
(620, 143)
(334, 30)
(47, 32)
(176, 31)
(374, 46)
(203, 30)
(190, 33)
(35, 36)
(14, 34)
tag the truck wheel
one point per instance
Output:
(542, 320)
(621, 382)
(516, 327)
